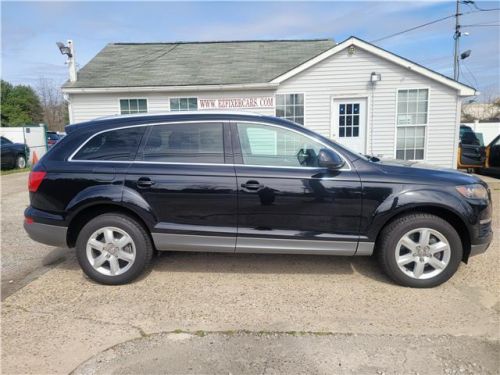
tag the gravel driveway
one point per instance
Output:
(213, 313)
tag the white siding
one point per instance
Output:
(86, 107)
(343, 75)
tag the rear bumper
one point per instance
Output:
(52, 235)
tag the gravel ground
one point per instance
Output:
(22, 259)
(213, 313)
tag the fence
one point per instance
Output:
(489, 130)
(34, 136)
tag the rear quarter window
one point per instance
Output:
(113, 145)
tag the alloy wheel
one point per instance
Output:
(111, 251)
(423, 253)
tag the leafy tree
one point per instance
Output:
(19, 105)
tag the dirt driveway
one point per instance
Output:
(213, 313)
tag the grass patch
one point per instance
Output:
(4, 172)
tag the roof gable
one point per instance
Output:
(463, 89)
(197, 63)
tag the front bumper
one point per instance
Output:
(479, 249)
(52, 235)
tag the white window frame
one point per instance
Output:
(425, 126)
(290, 93)
(183, 97)
(131, 98)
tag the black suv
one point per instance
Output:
(119, 188)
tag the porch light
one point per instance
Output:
(375, 77)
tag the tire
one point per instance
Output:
(20, 162)
(423, 266)
(121, 258)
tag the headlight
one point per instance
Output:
(474, 191)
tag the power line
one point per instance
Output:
(473, 3)
(482, 25)
(411, 29)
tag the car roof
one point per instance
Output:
(109, 122)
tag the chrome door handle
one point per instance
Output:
(252, 185)
(145, 182)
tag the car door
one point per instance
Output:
(472, 151)
(286, 203)
(182, 175)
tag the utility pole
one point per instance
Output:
(456, 68)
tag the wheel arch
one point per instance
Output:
(86, 214)
(444, 213)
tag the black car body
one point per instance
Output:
(14, 155)
(52, 138)
(231, 182)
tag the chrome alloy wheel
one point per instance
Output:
(423, 253)
(111, 251)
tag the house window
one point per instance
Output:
(290, 107)
(411, 123)
(128, 106)
(183, 104)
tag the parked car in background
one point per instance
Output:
(14, 155)
(52, 138)
(492, 159)
(471, 152)
(119, 188)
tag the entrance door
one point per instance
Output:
(349, 123)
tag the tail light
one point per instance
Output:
(35, 179)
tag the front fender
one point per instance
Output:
(408, 199)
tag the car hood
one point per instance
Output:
(417, 172)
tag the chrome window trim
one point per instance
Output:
(70, 159)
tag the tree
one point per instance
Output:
(19, 105)
(55, 110)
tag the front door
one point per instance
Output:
(349, 123)
(286, 203)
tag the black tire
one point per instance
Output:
(20, 162)
(141, 239)
(394, 231)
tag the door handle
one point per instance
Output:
(145, 182)
(252, 185)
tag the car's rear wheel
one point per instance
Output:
(21, 162)
(419, 250)
(113, 249)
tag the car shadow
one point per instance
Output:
(203, 262)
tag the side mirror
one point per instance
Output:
(329, 159)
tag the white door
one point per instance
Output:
(349, 123)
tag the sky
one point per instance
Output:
(29, 31)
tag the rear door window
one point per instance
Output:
(113, 145)
(185, 143)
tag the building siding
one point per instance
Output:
(344, 75)
(85, 107)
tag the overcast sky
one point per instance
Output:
(30, 30)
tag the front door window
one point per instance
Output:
(349, 121)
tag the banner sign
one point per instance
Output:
(237, 103)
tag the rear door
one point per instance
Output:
(286, 203)
(185, 175)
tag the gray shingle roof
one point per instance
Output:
(197, 63)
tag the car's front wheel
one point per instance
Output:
(113, 249)
(419, 250)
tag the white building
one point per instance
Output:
(354, 92)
